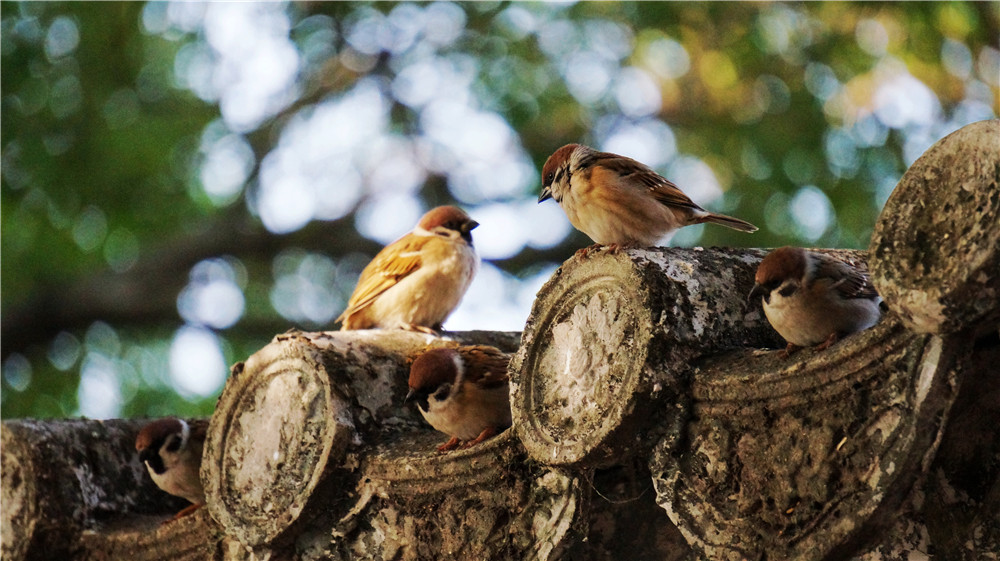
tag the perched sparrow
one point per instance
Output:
(462, 392)
(418, 280)
(812, 298)
(171, 450)
(618, 201)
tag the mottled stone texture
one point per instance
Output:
(607, 353)
(603, 345)
(653, 420)
(63, 480)
(294, 422)
(804, 460)
(936, 246)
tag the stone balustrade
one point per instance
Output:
(653, 419)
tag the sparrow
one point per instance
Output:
(812, 298)
(418, 280)
(171, 449)
(618, 201)
(462, 392)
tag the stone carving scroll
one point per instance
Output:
(936, 244)
(805, 460)
(611, 335)
(64, 480)
(285, 439)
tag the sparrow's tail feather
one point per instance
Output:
(728, 222)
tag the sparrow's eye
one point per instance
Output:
(549, 177)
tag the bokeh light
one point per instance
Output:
(295, 120)
(213, 297)
(307, 288)
(197, 365)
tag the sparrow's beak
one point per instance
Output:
(417, 396)
(469, 226)
(757, 291)
(545, 195)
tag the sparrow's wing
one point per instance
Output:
(392, 264)
(485, 365)
(671, 195)
(849, 281)
(636, 173)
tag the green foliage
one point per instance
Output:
(112, 219)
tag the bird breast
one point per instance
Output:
(466, 413)
(809, 316)
(620, 213)
(429, 295)
(181, 477)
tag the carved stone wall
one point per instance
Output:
(653, 419)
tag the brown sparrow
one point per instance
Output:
(418, 280)
(462, 392)
(618, 201)
(812, 298)
(171, 449)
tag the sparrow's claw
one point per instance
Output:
(791, 348)
(829, 341)
(184, 512)
(582, 253)
(450, 445)
(615, 248)
(488, 432)
(421, 329)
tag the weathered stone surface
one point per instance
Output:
(490, 503)
(612, 334)
(962, 486)
(481, 503)
(623, 519)
(935, 252)
(400, 499)
(64, 478)
(953, 511)
(806, 458)
(192, 538)
(279, 425)
(281, 445)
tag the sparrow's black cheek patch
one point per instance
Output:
(442, 392)
(155, 463)
(174, 445)
(788, 290)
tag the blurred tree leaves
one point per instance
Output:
(142, 154)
